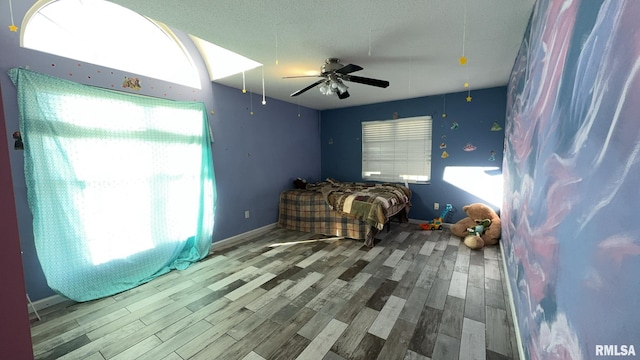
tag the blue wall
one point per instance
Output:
(255, 156)
(572, 169)
(342, 147)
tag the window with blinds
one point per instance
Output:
(397, 150)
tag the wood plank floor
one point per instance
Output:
(415, 295)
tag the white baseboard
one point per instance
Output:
(47, 302)
(240, 238)
(514, 316)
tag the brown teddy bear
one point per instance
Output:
(475, 229)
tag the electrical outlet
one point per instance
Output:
(246, 214)
(436, 206)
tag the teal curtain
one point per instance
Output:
(121, 187)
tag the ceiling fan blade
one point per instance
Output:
(343, 95)
(366, 81)
(348, 69)
(308, 87)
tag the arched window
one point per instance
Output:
(103, 33)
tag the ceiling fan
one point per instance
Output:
(333, 75)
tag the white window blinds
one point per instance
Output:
(397, 150)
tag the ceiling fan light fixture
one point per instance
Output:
(342, 88)
(324, 88)
(333, 86)
(327, 88)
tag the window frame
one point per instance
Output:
(405, 137)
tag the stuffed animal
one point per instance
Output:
(478, 215)
(474, 239)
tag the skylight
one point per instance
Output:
(222, 62)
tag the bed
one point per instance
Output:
(348, 209)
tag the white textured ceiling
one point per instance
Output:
(415, 45)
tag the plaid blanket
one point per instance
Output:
(370, 203)
(353, 210)
(307, 211)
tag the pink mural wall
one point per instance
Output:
(572, 170)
